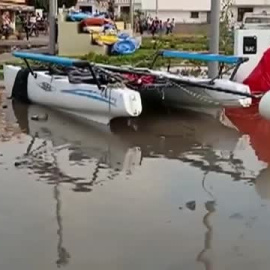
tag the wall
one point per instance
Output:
(192, 29)
(179, 16)
(194, 5)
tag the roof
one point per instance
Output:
(15, 7)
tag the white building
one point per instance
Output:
(198, 11)
(121, 6)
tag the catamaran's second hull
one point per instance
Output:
(182, 94)
(187, 92)
(86, 101)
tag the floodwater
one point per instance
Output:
(163, 193)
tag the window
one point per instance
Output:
(194, 14)
(241, 13)
(86, 9)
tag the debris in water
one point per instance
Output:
(191, 205)
(236, 216)
(43, 117)
(210, 206)
(19, 163)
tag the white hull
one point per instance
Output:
(198, 97)
(95, 141)
(184, 95)
(82, 100)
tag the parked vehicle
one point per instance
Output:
(256, 20)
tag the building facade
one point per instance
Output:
(198, 11)
(121, 6)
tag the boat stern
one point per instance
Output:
(10, 73)
(132, 102)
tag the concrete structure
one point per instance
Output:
(198, 11)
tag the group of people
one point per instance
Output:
(154, 26)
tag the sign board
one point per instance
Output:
(250, 45)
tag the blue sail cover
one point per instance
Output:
(204, 57)
(63, 61)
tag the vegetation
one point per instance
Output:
(148, 49)
(150, 46)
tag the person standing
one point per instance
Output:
(27, 26)
(168, 26)
(172, 25)
(161, 27)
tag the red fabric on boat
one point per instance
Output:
(259, 79)
(139, 79)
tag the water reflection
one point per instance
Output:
(201, 142)
(65, 153)
(72, 152)
(205, 255)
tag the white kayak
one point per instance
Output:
(84, 100)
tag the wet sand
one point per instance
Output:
(170, 192)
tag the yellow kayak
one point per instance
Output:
(105, 39)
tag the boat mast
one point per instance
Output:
(214, 36)
(52, 25)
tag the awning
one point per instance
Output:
(14, 7)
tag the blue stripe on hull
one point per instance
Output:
(90, 94)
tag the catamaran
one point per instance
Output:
(193, 92)
(91, 96)
(121, 91)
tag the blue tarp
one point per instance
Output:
(203, 57)
(125, 46)
(79, 16)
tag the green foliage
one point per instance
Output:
(149, 47)
(181, 43)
